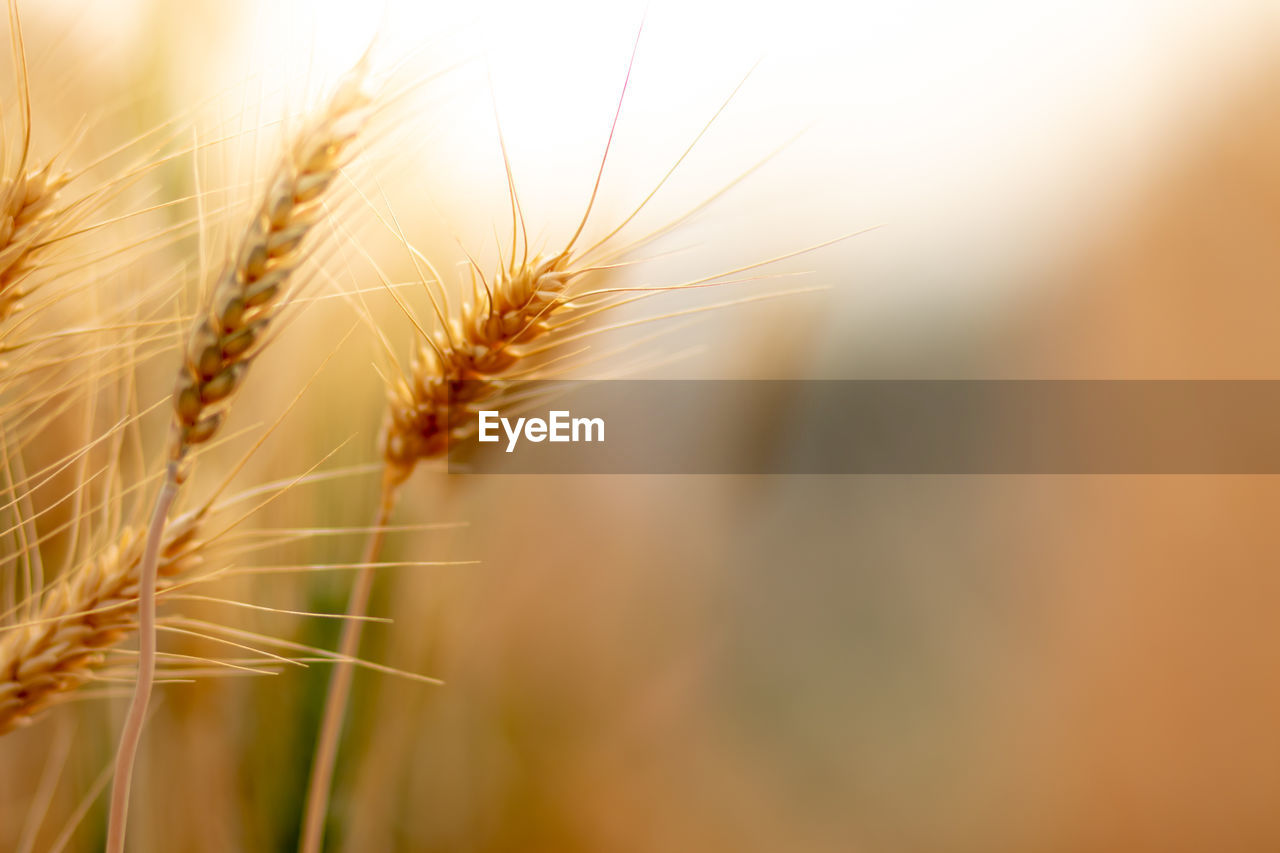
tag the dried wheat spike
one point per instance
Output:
(464, 365)
(27, 218)
(518, 311)
(248, 293)
(90, 610)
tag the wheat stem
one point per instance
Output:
(131, 734)
(336, 699)
(246, 298)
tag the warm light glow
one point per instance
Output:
(953, 124)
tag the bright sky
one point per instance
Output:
(955, 124)
(979, 130)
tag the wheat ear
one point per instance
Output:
(480, 345)
(458, 367)
(28, 213)
(27, 217)
(466, 358)
(246, 297)
(88, 611)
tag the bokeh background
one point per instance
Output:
(882, 664)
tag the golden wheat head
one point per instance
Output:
(248, 293)
(27, 217)
(87, 612)
(462, 363)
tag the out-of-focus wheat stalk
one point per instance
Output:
(27, 217)
(28, 212)
(227, 334)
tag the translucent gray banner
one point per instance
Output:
(869, 427)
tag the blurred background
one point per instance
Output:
(882, 664)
